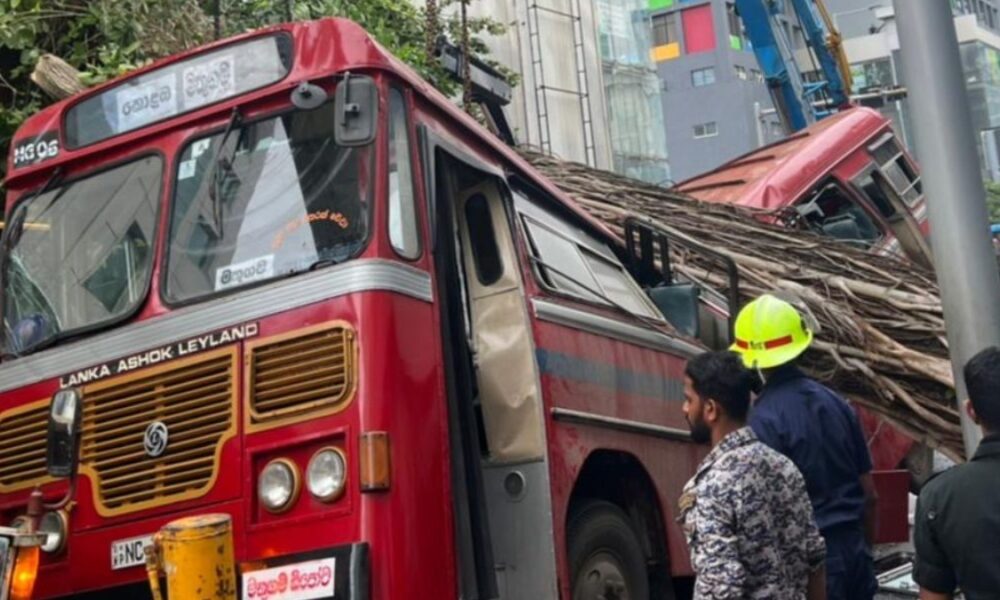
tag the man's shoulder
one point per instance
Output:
(774, 461)
(948, 480)
(755, 459)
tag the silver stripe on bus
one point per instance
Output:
(365, 275)
(586, 418)
(600, 325)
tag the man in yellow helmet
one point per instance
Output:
(820, 433)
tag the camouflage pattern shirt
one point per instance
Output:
(749, 523)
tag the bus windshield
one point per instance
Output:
(267, 199)
(79, 255)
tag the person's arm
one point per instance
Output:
(720, 572)
(871, 506)
(863, 460)
(932, 570)
(801, 517)
(817, 584)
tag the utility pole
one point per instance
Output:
(965, 264)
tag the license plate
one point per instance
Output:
(130, 552)
(298, 581)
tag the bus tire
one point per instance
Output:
(605, 557)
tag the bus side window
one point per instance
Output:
(403, 232)
(899, 174)
(878, 191)
(573, 262)
(482, 239)
(831, 211)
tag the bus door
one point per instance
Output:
(502, 399)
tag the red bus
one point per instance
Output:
(260, 260)
(291, 282)
(846, 176)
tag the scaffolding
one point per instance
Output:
(542, 89)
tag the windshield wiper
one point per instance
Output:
(222, 167)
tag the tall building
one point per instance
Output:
(632, 91)
(872, 47)
(588, 89)
(717, 107)
(714, 100)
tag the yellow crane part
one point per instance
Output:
(195, 554)
(836, 45)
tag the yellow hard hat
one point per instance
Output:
(770, 333)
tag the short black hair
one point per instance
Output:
(982, 380)
(722, 377)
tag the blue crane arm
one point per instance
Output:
(793, 99)
(816, 36)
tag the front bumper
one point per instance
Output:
(344, 570)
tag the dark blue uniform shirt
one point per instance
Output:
(818, 430)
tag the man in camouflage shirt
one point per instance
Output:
(746, 513)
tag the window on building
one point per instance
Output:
(741, 72)
(706, 130)
(665, 29)
(703, 77)
(798, 40)
(871, 75)
(735, 27)
(756, 75)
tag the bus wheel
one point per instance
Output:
(606, 559)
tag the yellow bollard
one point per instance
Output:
(196, 556)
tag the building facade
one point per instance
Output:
(588, 89)
(714, 99)
(872, 47)
(717, 107)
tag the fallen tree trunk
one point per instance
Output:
(56, 77)
(880, 328)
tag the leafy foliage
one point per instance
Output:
(993, 200)
(106, 38)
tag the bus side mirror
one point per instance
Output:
(356, 109)
(62, 451)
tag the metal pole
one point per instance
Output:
(758, 117)
(217, 19)
(966, 267)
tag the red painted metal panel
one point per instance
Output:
(893, 488)
(699, 30)
(602, 376)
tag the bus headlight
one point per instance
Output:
(326, 474)
(54, 526)
(278, 485)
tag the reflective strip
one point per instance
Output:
(772, 344)
(768, 345)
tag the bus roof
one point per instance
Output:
(767, 177)
(327, 45)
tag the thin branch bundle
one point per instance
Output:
(881, 337)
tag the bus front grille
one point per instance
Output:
(300, 375)
(155, 437)
(22, 446)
